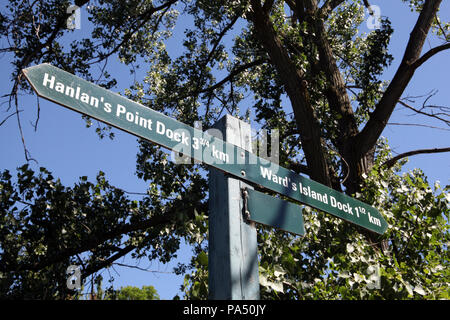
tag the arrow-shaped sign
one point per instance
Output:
(274, 212)
(104, 105)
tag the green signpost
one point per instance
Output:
(87, 98)
(234, 205)
(273, 212)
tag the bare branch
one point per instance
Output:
(447, 38)
(92, 268)
(428, 95)
(392, 161)
(430, 53)
(368, 6)
(19, 123)
(139, 268)
(35, 124)
(12, 114)
(369, 135)
(416, 125)
(232, 74)
(432, 115)
(298, 167)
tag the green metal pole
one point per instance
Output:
(233, 255)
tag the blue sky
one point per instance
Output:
(64, 146)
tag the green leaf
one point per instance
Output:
(203, 259)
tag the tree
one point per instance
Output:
(134, 293)
(306, 54)
(124, 293)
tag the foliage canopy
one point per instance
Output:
(301, 67)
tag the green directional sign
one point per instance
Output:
(104, 105)
(274, 212)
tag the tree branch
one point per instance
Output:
(446, 121)
(12, 114)
(298, 167)
(93, 241)
(416, 125)
(141, 269)
(92, 268)
(143, 18)
(429, 54)
(329, 6)
(233, 74)
(389, 163)
(368, 6)
(368, 137)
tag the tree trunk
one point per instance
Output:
(297, 91)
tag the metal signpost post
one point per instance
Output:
(232, 157)
(233, 256)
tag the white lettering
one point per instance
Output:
(184, 138)
(333, 201)
(94, 102)
(311, 193)
(245, 309)
(84, 97)
(344, 207)
(50, 81)
(70, 92)
(374, 220)
(129, 116)
(59, 87)
(160, 127)
(266, 173)
(211, 311)
(169, 134)
(146, 123)
(107, 107)
(120, 110)
(220, 155)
